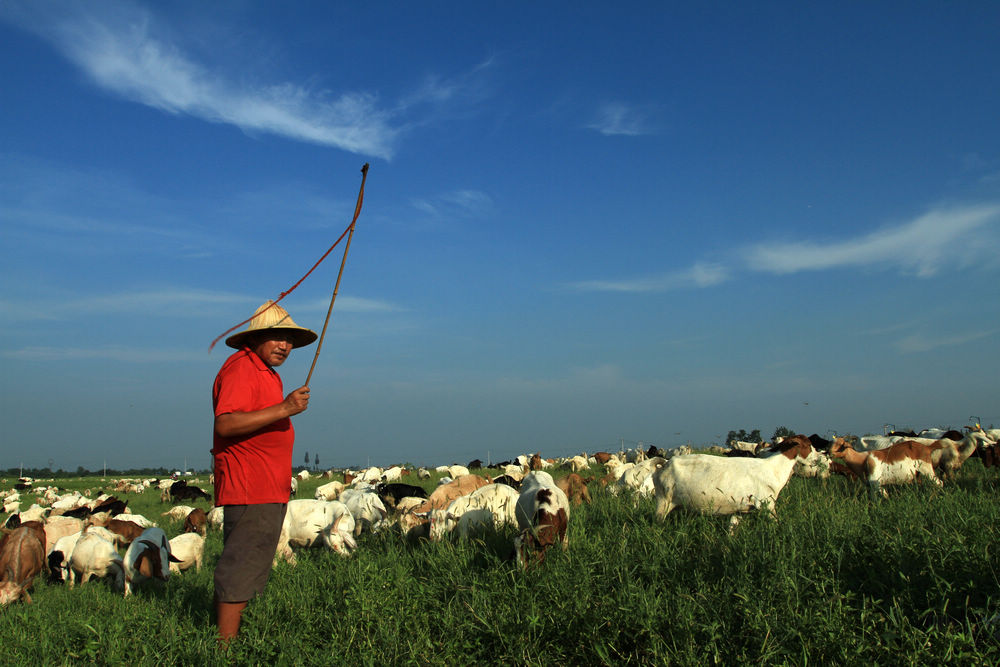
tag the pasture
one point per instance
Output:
(837, 579)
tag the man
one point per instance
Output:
(252, 454)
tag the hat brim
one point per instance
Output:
(300, 337)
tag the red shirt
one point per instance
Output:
(255, 468)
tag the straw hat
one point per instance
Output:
(273, 316)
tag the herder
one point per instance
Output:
(252, 454)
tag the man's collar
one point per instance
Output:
(257, 361)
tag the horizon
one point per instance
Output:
(581, 225)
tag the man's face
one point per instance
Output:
(273, 349)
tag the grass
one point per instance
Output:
(837, 579)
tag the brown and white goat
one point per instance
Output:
(542, 512)
(902, 463)
(575, 488)
(22, 556)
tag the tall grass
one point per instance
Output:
(837, 579)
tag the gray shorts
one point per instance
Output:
(250, 537)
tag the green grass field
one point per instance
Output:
(837, 579)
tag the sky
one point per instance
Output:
(584, 225)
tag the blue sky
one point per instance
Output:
(583, 224)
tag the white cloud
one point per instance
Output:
(615, 118)
(451, 96)
(129, 53)
(699, 275)
(943, 237)
(168, 301)
(171, 302)
(458, 203)
(352, 304)
(114, 353)
(923, 343)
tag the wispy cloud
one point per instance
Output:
(939, 238)
(113, 353)
(129, 52)
(166, 302)
(43, 197)
(452, 96)
(352, 304)
(458, 203)
(947, 237)
(170, 302)
(923, 343)
(615, 118)
(163, 301)
(77, 212)
(699, 275)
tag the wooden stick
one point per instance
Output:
(336, 287)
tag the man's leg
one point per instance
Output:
(250, 535)
(229, 615)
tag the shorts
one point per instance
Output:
(250, 537)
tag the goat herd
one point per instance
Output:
(74, 538)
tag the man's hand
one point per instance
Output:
(238, 424)
(297, 401)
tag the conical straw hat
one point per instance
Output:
(273, 316)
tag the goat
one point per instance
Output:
(147, 558)
(719, 485)
(903, 462)
(22, 556)
(542, 512)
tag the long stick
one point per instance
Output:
(336, 287)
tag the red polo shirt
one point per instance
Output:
(255, 468)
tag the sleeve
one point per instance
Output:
(235, 388)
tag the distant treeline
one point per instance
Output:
(83, 472)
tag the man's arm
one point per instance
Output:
(236, 424)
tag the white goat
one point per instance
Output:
(392, 474)
(309, 523)
(178, 512)
(188, 549)
(59, 555)
(722, 485)
(366, 508)
(216, 517)
(94, 556)
(491, 504)
(329, 491)
(634, 476)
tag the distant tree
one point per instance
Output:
(315, 460)
(743, 436)
(307, 458)
(782, 432)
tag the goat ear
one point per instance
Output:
(174, 559)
